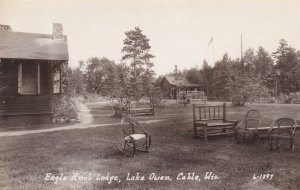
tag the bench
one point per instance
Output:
(141, 111)
(209, 120)
(199, 101)
(265, 130)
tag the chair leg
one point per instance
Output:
(272, 143)
(195, 130)
(133, 148)
(255, 138)
(238, 137)
(205, 133)
(124, 146)
(292, 146)
(277, 143)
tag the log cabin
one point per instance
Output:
(30, 74)
(172, 85)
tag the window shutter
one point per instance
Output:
(20, 78)
(39, 79)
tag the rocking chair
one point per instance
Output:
(135, 136)
(248, 130)
(282, 132)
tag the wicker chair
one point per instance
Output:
(248, 129)
(135, 136)
(282, 133)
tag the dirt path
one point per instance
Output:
(84, 115)
(76, 126)
(86, 120)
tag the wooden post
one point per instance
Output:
(224, 112)
(194, 120)
(205, 132)
(214, 112)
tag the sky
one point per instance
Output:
(179, 30)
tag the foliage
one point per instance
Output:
(71, 84)
(136, 53)
(193, 75)
(287, 67)
(245, 89)
(206, 75)
(99, 76)
(221, 78)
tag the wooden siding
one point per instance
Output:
(12, 103)
(25, 104)
(23, 120)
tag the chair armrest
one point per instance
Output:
(232, 121)
(201, 122)
(270, 130)
(146, 133)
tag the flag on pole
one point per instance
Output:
(211, 40)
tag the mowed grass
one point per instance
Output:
(25, 160)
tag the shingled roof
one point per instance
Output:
(180, 81)
(20, 45)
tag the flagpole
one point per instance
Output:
(242, 59)
(213, 48)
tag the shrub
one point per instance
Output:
(64, 110)
(272, 100)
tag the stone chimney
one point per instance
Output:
(176, 73)
(5, 28)
(57, 31)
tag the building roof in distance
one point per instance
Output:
(180, 81)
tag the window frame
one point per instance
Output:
(59, 75)
(20, 80)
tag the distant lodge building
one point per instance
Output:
(30, 74)
(172, 85)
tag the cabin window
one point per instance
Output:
(29, 78)
(57, 82)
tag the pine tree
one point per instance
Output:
(136, 53)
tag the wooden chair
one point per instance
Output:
(281, 133)
(136, 138)
(211, 120)
(248, 129)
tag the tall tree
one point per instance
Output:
(249, 62)
(287, 62)
(221, 78)
(193, 75)
(207, 78)
(136, 52)
(263, 63)
(99, 75)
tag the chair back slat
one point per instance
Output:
(204, 112)
(131, 126)
(252, 119)
(284, 126)
(214, 112)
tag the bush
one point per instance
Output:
(64, 110)
(238, 101)
(272, 100)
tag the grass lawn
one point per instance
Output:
(25, 160)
